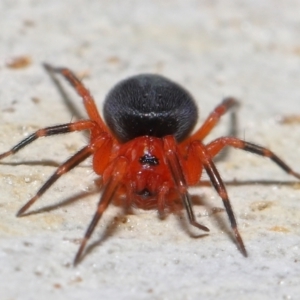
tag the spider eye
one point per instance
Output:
(149, 159)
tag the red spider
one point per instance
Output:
(145, 152)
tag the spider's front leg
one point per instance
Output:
(217, 182)
(179, 179)
(118, 171)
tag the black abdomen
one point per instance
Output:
(149, 105)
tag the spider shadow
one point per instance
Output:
(187, 227)
(109, 231)
(67, 201)
(207, 183)
(70, 200)
(116, 220)
(191, 230)
(216, 212)
(45, 163)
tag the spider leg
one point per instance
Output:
(217, 145)
(58, 129)
(212, 120)
(106, 197)
(68, 165)
(179, 179)
(161, 199)
(82, 91)
(218, 184)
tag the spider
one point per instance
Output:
(145, 152)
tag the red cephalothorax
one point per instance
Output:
(144, 151)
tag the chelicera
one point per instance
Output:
(145, 152)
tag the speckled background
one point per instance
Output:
(247, 49)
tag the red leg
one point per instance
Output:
(179, 179)
(218, 184)
(106, 197)
(82, 91)
(217, 145)
(212, 120)
(64, 168)
(58, 129)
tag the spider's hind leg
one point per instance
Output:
(82, 91)
(217, 145)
